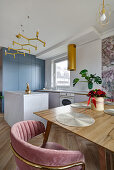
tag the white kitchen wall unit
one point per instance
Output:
(54, 99)
(19, 106)
(80, 98)
(55, 96)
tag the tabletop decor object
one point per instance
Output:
(109, 103)
(88, 78)
(109, 111)
(27, 91)
(97, 99)
(74, 119)
(80, 105)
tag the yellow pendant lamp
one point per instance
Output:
(72, 57)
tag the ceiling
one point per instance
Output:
(58, 21)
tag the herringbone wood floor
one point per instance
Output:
(57, 134)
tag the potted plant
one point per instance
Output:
(88, 78)
(1, 97)
(97, 99)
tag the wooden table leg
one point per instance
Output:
(111, 161)
(102, 158)
(46, 135)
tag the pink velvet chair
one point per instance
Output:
(30, 157)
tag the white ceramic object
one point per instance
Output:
(99, 104)
(109, 103)
(109, 111)
(74, 119)
(80, 105)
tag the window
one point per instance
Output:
(62, 75)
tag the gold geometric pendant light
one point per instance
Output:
(11, 53)
(22, 45)
(103, 15)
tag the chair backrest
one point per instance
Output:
(22, 131)
(26, 130)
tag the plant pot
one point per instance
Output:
(99, 104)
(90, 85)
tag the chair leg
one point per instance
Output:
(111, 161)
(83, 167)
(102, 158)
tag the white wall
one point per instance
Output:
(88, 57)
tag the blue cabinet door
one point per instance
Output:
(10, 76)
(33, 68)
(25, 72)
(40, 73)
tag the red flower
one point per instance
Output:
(97, 93)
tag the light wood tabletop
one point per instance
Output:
(101, 132)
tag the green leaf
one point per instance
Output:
(97, 80)
(75, 81)
(1, 97)
(92, 76)
(84, 71)
(87, 77)
(83, 75)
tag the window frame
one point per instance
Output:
(54, 71)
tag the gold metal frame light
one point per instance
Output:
(29, 39)
(103, 14)
(6, 53)
(19, 49)
(23, 45)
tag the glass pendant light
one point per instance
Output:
(103, 14)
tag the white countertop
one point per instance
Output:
(48, 90)
(64, 91)
(23, 93)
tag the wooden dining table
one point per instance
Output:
(100, 133)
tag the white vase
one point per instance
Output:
(99, 104)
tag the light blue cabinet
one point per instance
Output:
(10, 76)
(17, 72)
(33, 70)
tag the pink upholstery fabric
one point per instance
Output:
(52, 155)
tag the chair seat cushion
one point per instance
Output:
(78, 156)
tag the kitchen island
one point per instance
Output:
(19, 106)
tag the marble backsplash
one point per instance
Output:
(108, 66)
